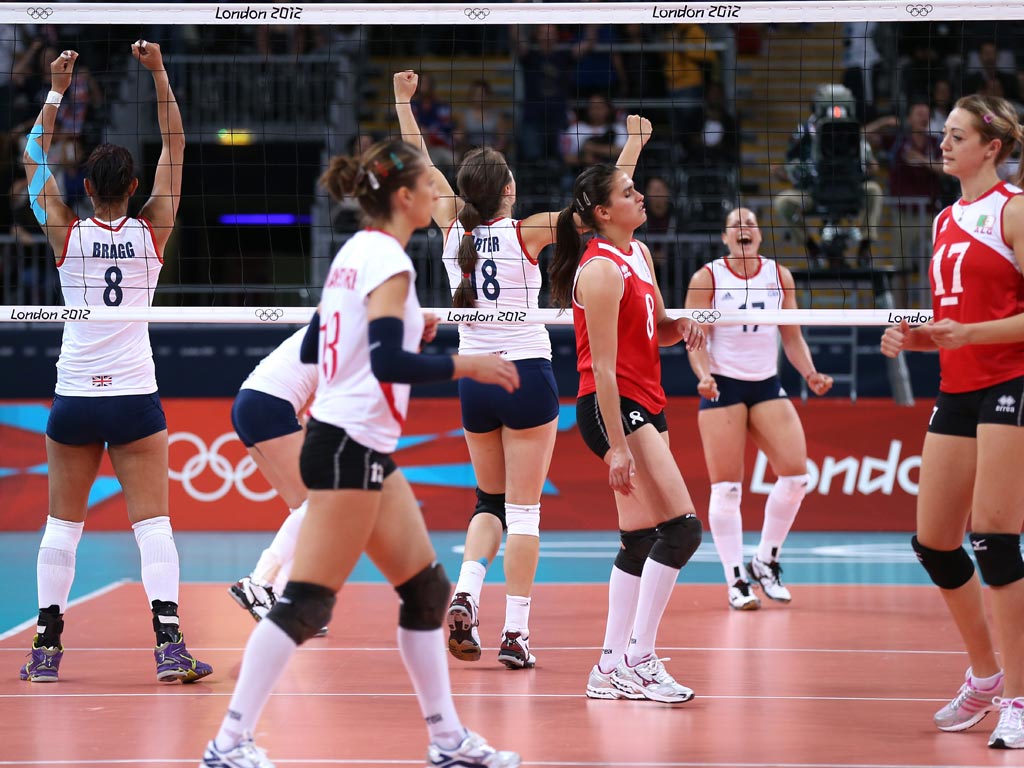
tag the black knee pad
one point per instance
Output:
(635, 547)
(677, 540)
(999, 558)
(303, 610)
(491, 504)
(948, 570)
(424, 599)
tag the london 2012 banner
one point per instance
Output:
(863, 462)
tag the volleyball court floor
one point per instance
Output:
(847, 675)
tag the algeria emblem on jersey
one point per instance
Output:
(773, 290)
(985, 225)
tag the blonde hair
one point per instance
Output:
(995, 118)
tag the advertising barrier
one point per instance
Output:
(863, 460)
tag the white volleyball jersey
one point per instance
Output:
(745, 352)
(283, 375)
(507, 278)
(113, 264)
(348, 394)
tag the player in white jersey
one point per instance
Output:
(741, 394)
(491, 260)
(106, 392)
(358, 500)
(268, 417)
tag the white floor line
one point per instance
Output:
(34, 694)
(77, 601)
(546, 649)
(532, 762)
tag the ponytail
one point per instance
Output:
(562, 269)
(465, 294)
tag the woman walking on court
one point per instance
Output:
(740, 394)
(368, 330)
(266, 416)
(491, 259)
(970, 463)
(106, 393)
(620, 323)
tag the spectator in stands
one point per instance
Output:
(596, 138)
(862, 64)
(434, 116)
(644, 68)
(989, 80)
(542, 113)
(717, 143)
(790, 205)
(686, 67)
(599, 66)
(942, 104)
(661, 217)
(915, 171)
(479, 121)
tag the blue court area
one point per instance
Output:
(566, 557)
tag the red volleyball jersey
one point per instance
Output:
(638, 364)
(974, 278)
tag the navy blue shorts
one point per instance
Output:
(750, 393)
(960, 414)
(633, 415)
(258, 417)
(116, 420)
(487, 407)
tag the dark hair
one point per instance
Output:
(110, 169)
(371, 177)
(995, 118)
(592, 188)
(482, 176)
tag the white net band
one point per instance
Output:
(449, 316)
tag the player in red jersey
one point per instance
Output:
(620, 322)
(970, 462)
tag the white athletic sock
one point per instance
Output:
(424, 656)
(623, 589)
(159, 558)
(266, 655)
(656, 583)
(986, 683)
(727, 528)
(282, 548)
(517, 614)
(471, 579)
(55, 564)
(779, 513)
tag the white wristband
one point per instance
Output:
(54, 98)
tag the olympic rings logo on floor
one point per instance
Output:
(919, 10)
(477, 14)
(210, 459)
(269, 315)
(39, 13)
(705, 315)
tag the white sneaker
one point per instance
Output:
(742, 598)
(244, 755)
(463, 632)
(1009, 734)
(769, 577)
(514, 652)
(650, 679)
(600, 686)
(472, 751)
(969, 707)
(256, 597)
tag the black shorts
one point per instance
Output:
(115, 420)
(487, 407)
(960, 414)
(258, 417)
(333, 461)
(591, 425)
(749, 393)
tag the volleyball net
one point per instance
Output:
(820, 119)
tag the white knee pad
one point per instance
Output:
(523, 519)
(791, 488)
(725, 499)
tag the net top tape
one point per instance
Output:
(505, 13)
(451, 316)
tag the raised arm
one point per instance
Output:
(447, 208)
(162, 206)
(43, 193)
(638, 130)
(795, 345)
